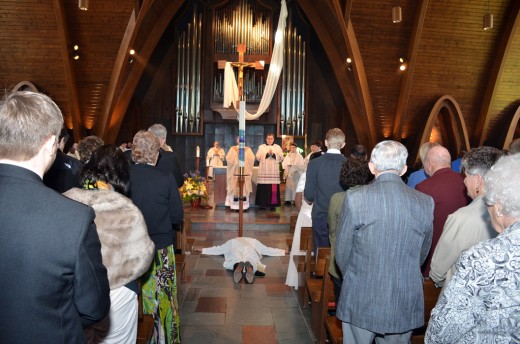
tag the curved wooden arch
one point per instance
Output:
(452, 125)
(22, 84)
(512, 128)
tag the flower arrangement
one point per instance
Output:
(194, 186)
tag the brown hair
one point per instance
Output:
(28, 120)
(87, 146)
(145, 148)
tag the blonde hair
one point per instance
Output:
(28, 119)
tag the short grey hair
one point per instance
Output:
(389, 155)
(479, 160)
(158, 130)
(503, 185)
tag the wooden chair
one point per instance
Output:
(431, 295)
(314, 280)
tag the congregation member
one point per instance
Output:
(243, 255)
(269, 155)
(322, 182)
(481, 304)
(155, 193)
(87, 146)
(447, 189)
(514, 147)
(315, 147)
(168, 160)
(126, 248)
(420, 175)
(53, 280)
(383, 236)
(63, 175)
(359, 151)
(233, 170)
(354, 172)
(304, 219)
(292, 166)
(73, 151)
(470, 224)
(215, 158)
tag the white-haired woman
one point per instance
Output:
(482, 302)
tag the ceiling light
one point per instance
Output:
(75, 56)
(397, 15)
(402, 64)
(75, 47)
(83, 5)
(132, 51)
(349, 60)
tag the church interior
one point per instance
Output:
(406, 70)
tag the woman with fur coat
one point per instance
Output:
(126, 248)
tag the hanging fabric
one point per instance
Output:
(275, 69)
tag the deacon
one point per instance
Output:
(233, 189)
(214, 158)
(270, 156)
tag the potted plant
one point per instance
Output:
(194, 188)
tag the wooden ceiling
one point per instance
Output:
(445, 47)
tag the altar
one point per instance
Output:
(220, 180)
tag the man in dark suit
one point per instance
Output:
(447, 189)
(167, 160)
(63, 175)
(384, 234)
(322, 182)
(53, 281)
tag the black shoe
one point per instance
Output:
(250, 275)
(237, 275)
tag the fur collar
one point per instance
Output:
(126, 248)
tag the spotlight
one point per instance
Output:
(397, 15)
(132, 51)
(402, 64)
(75, 47)
(349, 60)
(487, 22)
(75, 56)
(130, 59)
(83, 5)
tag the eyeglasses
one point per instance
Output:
(487, 202)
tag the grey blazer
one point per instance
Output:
(384, 235)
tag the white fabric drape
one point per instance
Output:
(275, 69)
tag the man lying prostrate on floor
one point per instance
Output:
(243, 256)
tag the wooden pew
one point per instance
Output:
(182, 249)
(144, 322)
(314, 280)
(299, 261)
(320, 308)
(431, 295)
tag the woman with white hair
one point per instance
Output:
(482, 302)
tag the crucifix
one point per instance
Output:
(240, 64)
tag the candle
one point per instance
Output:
(198, 152)
(241, 133)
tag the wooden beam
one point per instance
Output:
(406, 83)
(510, 28)
(362, 116)
(348, 10)
(121, 102)
(69, 72)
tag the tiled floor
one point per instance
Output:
(215, 310)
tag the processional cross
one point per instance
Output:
(241, 49)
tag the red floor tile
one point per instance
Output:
(258, 335)
(211, 305)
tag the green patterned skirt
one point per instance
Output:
(160, 297)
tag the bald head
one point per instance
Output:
(437, 157)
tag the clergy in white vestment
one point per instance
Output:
(233, 188)
(243, 255)
(214, 158)
(270, 156)
(292, 165)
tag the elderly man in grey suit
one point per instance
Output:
(384, 235)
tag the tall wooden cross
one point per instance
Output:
(241, 49)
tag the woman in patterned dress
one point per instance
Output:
(481, 304)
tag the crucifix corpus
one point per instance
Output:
(241, 49)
